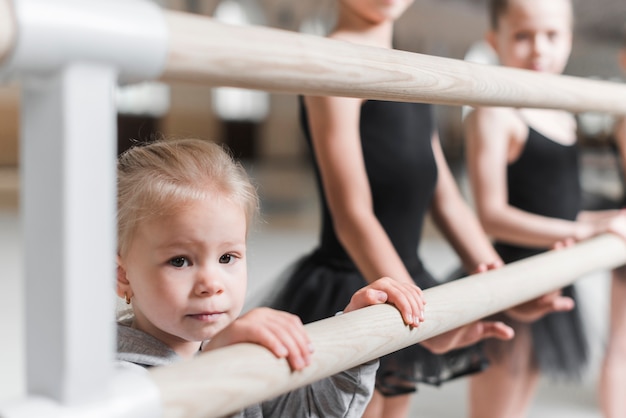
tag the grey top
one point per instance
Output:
(345, 394)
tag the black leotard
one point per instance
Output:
(402, 174)
(544, 180)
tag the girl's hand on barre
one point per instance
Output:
(280, 332)
(617, 225)
(548, 303)
(467, 335)
(407, 298)
(567, 242)
(483, 267)
(543, 305)
(600, 222)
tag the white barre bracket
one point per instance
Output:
(130, 35)
(130, 394)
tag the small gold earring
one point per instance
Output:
(126, 298)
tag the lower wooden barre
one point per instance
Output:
(224, 381)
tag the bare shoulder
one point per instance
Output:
(489, 122)
(327, 112)
(332, 104)
(490, 114)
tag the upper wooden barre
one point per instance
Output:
(206, 51)
(202, 50)
(227, 380)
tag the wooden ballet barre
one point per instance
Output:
(205, 51)
(227, 380)
(202, 50)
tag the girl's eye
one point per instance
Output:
(226, 258)
(179, 262)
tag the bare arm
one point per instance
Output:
(491, 133)
(334, 125)
(456, 220)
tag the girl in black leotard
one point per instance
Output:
(380, 169)
(402, 174)
(523, 167)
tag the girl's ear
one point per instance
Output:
(490, 37)
(122, 287)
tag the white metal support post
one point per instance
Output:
(68, 210)
(69, 56)
(68, 200)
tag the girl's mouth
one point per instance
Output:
(207, 316)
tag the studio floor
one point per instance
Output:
(286, 231)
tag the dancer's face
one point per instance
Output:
(534, 35)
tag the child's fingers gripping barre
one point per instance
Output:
(407, 298)
(280, 332)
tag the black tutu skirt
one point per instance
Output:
(318, 287)
(560, 347)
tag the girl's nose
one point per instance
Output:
(208, 283)
(539, 44)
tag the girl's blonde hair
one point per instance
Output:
(155, 179)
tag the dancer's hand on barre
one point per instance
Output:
(407, 298)
(617, 225)
(280, 332)
(467, 335)
(551, 302)
(483, 267)
(592, 223)
(543, 305)
(473, 332)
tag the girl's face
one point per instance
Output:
(534, 35)
(377, 11)
(186, 273)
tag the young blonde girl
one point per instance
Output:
(184, 212)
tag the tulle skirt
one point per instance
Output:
(560, 347)
(318, 287)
